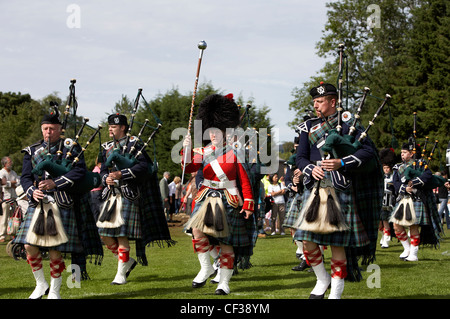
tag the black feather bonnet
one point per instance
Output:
(218, 111)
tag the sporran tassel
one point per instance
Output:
(408, 215)
(209, 216)
(109, 213)
(218, 218)
(39, 226)
(334, 216)
(313, 210)
(399, 213)
(51, 224)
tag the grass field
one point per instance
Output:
(171, 270)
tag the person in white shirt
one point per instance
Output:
(9, 181)
(277, 190)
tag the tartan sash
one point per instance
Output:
(319, 130)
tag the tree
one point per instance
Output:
(396, 57)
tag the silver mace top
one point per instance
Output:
(202, 45)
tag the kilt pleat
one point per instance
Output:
(242, 232)
(132, 225)
(293, 209)
(355, 236)
(69, 222)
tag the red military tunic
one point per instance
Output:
(222, 170)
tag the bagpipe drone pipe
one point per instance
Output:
(341, 146)
(123, 157)
(46, 225)
(59, 165)
(421, 164)
(404, 213)
(120, 157)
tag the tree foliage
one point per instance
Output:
(406, 56)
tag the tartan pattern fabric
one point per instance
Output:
(316, 134)
(242, 235)
(292, 210)
(78, 221)
(145, 221)
(132, 225)
(35, 262)
(69, 223)
(356, 236)
(57, 266)
(313, 257)
(338, 268)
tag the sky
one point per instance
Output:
(260, 50)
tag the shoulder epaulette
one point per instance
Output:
(28, 148)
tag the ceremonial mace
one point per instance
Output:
(202, 46)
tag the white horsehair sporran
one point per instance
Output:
(111, 212)
(46, 212)
(211, 217)
(404, 214)
(322, 212)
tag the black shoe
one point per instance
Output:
(311, 296)
(220, 292)
(302, 266)
(131, 268)
(198, 284)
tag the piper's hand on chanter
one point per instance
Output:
(112, 178)
(318, 173)
(38, 195)
(46, 185)
(331, 164)
(247, 213)
(115, 175)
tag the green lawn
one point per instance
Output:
(171, 270)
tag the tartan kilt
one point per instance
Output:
(79, 224)
(355, 236)
(132, 225)
(242, 232)
(293, 208)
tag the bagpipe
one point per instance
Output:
(59, 166)
(404, 214)
(340, 145)
(46, 225)
(321, 212)
(121, 158)
(420, 164)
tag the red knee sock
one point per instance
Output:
(338, 268)
(113, 248)
(387, 232)
(313, 257)
(35, 262)
(57, 266)
(415, 240)
(227, 260)
(402, 236)
(201, 245)
(124, 254)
